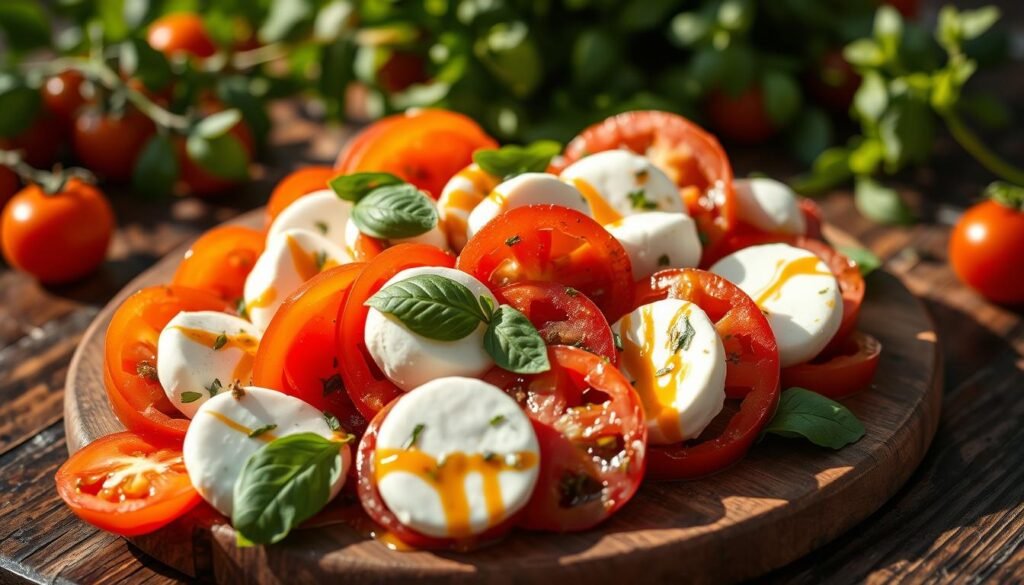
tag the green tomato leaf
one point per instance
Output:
(831, 168)
(514, 343)
(19, 105)
(285, 19)
(512, 160)
(867, 261)
(139, 60)
(238, 92)
(824, 422)
(689, 28)
(595, 55)
(811, 134)
(283, 484)
(906, 130)
(358, 185)
(782, 97)
(879, 203)
(224, 156)
(738, 69)
(25, 25)
(395, 212)
(888, 29)
(217, 125)
(156, 169)
(864, 159)
(432, 306)
(864, 53)
(512, 56)
(871, 99)
(974, 23)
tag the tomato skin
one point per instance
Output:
(220, 261)
(109, 145)
(402, 69)
(40, 142)
(57, 238)
(298, 351)
(833, 82)
(984, 251)
(10, 184)
(181, 33)
(170, 494)
(62, 94)
(196, 179)
(845, 371)
(296, 184)
(742, 119)
(908, 8)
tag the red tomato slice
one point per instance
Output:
(837, 375)
(563, 316)
(220, 260)
(690, 155)
(548, 243)
(298, 353)
(130, 358)
(124, 484)
(752, 371)
(367, 386)
(593, 438)
(425, 147)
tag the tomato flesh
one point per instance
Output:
(220, 261)
(846, 370)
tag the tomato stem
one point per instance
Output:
(981, 153)
(51, 182)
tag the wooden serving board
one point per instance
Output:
(785, 499)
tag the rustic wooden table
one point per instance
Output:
(960, 517)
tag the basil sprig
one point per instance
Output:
(358, 185)
(442, 309)
(820, 420)
(282, 485)
(395, 211)
(509, 161)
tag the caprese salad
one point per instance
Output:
(461, 339)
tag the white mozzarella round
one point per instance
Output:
(657, 240)
(322, 212)
(200, 354)
(291, 258)
(522, 190)
(674, 357)
(461, 194)
(456, 441)
(410, 360)
(769, 205)
(618, 183)
(217, 443)
(795, 290)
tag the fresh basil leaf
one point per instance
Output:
(907, 130)
(514, 343)
(358, 185)
(974, 23)
(865, 259)
(822, 421)
(515, 160)
(190, 397)
(283, 484)
(432, 306)
(872, 98)
(864, 53)
(888, 29)
(156, 169)
(879, 203)
(395, 211)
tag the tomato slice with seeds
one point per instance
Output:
(562, 316)
(593, 438)
(846, 370)
(691, 156)
(130, 358)
(752, 371)
(366, 385)
(125, 484)
(298, 352)
(220, 261)
(549, 243)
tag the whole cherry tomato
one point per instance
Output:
(743, 118)
(401, 70)
(985, 249)
(62, 94)
(109, 144)
(181, 33)
(197, 179)
(60, 237)
(40, 142)
(9, 185)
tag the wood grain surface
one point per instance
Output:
(783, 500)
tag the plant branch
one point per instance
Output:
(977, 148)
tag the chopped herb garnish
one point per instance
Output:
(681, 340)
(332, 384)
(641, 176)
(260, 430)
(146, 370)
(332, 421)
(822, 291)
(489, 456)
(242, 309)
(189, 397)
(577, 489)
(618, 341)
(214, 387)
(236, 390)
(320, 257)
(664, 260)
(497, 420)
(220, 342)
(571, 291)
(415, 436)
(321, 226)
(638, 199)
(512, 241)
(663, 371)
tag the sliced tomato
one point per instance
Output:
(549, 243)
(814, 218)
(425, 147)
(125, 484)
(562, 315)
(593, 438)
(220, 261)
(752, 371)
(294, 186)
(690, 155)
(130, 358)
(367, 386)
(298, 352)
(847, 370)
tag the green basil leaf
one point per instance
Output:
(514, 160)
(888, 29)
(358, 185)
(872, 98)
(19, 105)
(907, 130)
(831, 168)
(880, 203)
(432, 306)
(217, 125)
(974, 23)
(822, 421)
(867, 261)
(514, 343)
(283, 484)
(864, 159)
(394, 212)
(156, 169)
(224, 156)
(864, 53)
(512, 57)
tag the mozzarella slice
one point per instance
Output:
(455, 457)
(461, 194)
(218, 442)
(769, 205)
(291, 258)
(322, 212)
(795, 290)
(657, 240)
(675, 359)
(200, 354)
(522, 190)
(617, 183)
(410, 360)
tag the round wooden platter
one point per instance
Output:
(784, 499)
